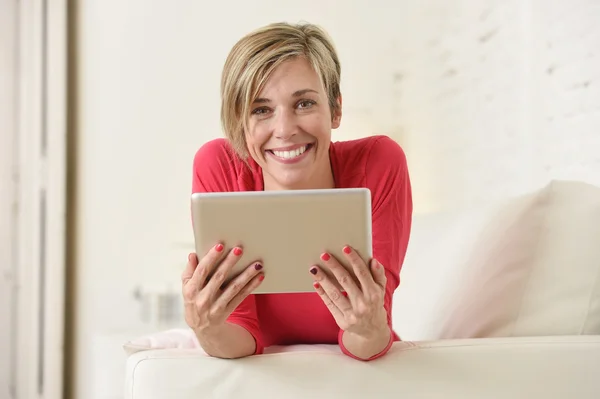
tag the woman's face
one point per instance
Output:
(289, 128)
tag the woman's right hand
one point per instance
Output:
(208, 303)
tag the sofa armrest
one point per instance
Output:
(544, 367)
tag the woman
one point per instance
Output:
(280, 100)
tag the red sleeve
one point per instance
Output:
(215, 170)
(388, 179)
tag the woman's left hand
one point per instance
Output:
(361, 311)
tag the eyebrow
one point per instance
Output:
(297, 93)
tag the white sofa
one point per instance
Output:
(500, 301)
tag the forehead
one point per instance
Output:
(291, 76)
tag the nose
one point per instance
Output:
(284, 124)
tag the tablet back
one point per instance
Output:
(286, 230)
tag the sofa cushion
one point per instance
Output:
(548, 368)
(526, 266)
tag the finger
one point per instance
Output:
(222, 271)
(378, 272)
(236, 285)
(335, 311)
(341, 274)
(334, 294)
(247, 290)
(205, 266)
(361, 270)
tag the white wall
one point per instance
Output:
(465, 86)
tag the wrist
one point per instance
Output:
(381, 333)
(208, 331)
(227, 341)
(366, 346)
(207, 336)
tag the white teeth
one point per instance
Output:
(290, 154)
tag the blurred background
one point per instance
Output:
(104, 103)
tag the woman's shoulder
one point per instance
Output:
(215, 149)
(384, 171)
(374, 154)
(216, 167)
(216, 154)
(385, 153)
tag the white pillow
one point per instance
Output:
(527, 266)
(176, 338)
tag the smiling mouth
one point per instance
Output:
(291, 154)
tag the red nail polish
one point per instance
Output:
(325, 257)
(261, 277)
(347, 250)
(344, 293)
(257, 266)
(219, 247)
(313, 270)
(237, 251)
(316, 285)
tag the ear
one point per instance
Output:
(336, 118)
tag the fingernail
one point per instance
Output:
(237, 251)
(344, 293)
(190, 257)
(313, 270)
(347, 250)
(325, 257)
(376, 264)
(261, 277)
(316, 285)
(257, 266)
(219, 247)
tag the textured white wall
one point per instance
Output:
(496, 97)
(565, 53)
(489, 98)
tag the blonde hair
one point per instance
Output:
(254, 58)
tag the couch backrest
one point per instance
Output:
(526, 266)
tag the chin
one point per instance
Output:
(290, 180)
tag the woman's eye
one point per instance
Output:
(260, 111)
(306, 104)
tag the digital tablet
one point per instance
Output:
(285, 230)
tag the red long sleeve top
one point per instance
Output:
(375, 162)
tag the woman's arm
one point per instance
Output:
(389, 182)
(240, 335)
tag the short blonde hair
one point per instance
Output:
(254, 58)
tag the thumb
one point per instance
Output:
(378, 272)
(190, 267)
